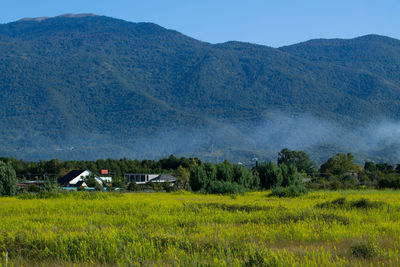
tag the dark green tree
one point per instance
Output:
(270, 175)
(170, 163)
(211, 171)
(90, 180)
(225, 171)
(339, 165)
(290, 175)
(244, 177)
(8, 180)
(385, 167)
(198, 178)
(370, 166)
(118, 182)
(300, 159)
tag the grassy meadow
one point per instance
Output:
(345, 228)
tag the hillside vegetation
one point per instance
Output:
(91, 86)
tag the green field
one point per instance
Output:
(318, 229)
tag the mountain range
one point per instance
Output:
(86, 86)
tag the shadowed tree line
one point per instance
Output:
(292, 174)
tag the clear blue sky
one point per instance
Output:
(269, 22)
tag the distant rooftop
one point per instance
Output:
(69, 15)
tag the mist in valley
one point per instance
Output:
(321, 138)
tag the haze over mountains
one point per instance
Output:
(86, 86)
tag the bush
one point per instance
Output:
(335, 184)
(221, 187)
(98, 187)
(350, 181)
(389, 182)
(81, 188)
(90, 181)
(167, 187)
(365, 249)
(33, 188)
(157, 187)
(289, 191)
(255, 259)
(133, 187)
(50, 186)
(118, 182)
(362, 203)
(366, 204)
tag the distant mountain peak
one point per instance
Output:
(68, 15)
(81, 15)
(33, 19)
(376, 37)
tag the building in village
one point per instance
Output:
(141, 178)
(76, 178)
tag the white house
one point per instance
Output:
(142, 178)
(102, 179)
(74, 178)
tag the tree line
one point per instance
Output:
(292, 173)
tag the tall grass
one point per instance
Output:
(158, 229)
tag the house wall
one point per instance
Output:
(100, 180)
(139, 178)
(105, 179)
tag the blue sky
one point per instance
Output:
(269, 22)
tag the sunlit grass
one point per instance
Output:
(194, 229)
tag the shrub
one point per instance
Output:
(365, 203)
(335, 184)
(50, 186)
(349, 181)
(290, 191)
(33, 188)
(255, 259)
(167, 187)
(392, 181)
(98, 187)
(157, 187)
(133, 187)
(90, 181)
(362, 203)
(221, 187)
(81, 188)
(118, 182)
(365, 249)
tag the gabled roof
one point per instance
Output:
(165, 177)
(70, 176)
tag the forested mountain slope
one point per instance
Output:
(93, 86)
